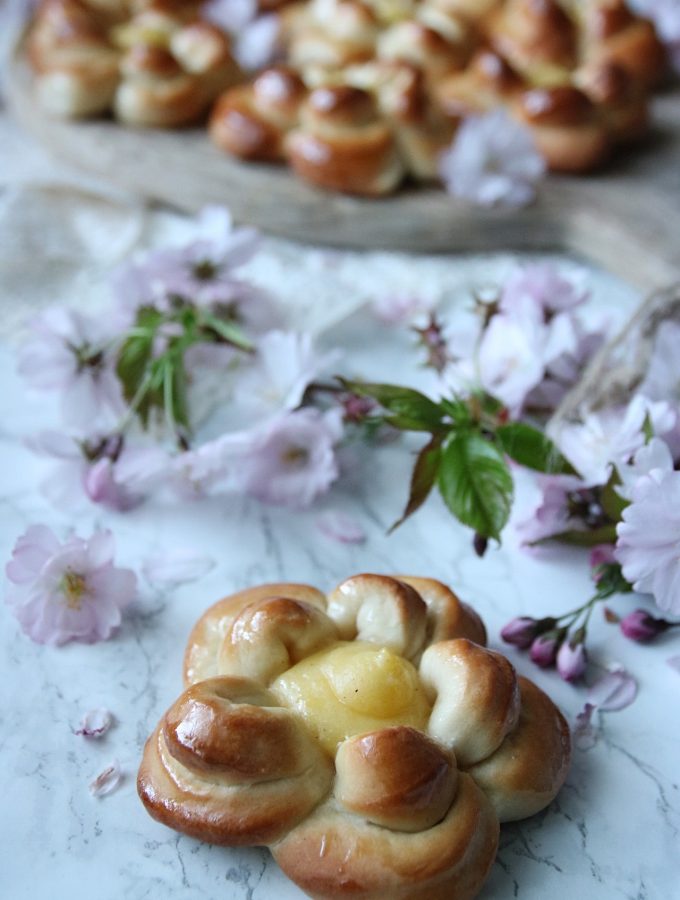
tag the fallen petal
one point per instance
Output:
(610, 616)
(95, 723)
(107, 780)
(171, 569)
(341, 527)
(585, 733)
(615, 690)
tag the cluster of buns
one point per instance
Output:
(150, 62)
(372, 91)
(367, 737)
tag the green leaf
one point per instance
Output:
(612, 502)
(227, 331)
(407, 409)
(134, 361)
(476, 484)
(458, 410)
(531, 448)
(422, 479)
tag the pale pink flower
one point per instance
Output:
(70, 591)
(567, 353)
(510, 359)
(612, 437)
(201, 272)
(654, 456)
(291, 460)
(572, 660)
(492, 162)
(648, 545)
(553, 514)
(399, 308)
(259, 42)
(69, 352)
(285, 365)
(544, 286)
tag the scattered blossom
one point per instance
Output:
(555, 512)
(584, 732)
(510, 359)
(172, 568)
(648, 545)
(544, 287)
(341, 527)
(70, 591)
(291, 460)
(492, 162)
(69, 352)
(107, 781)
(614, 691)
(95, 723)
(654, 458)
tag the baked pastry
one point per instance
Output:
(368, 737)
(151, 62)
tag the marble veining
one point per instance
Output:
(612, 832)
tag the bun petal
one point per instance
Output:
(227, 765)
(270, 636)
(524, 775)
(397, 778)
(380, 610)
(331, 855)
(476, 698)
(201, 657)
(447, 616)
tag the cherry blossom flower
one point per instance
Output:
(291, 460)
(572, 659)
(648, 545)
(544, 286)
(611, 437)
(492, 161)
(510, 359)
(555, 512)
(201, 272)
(68, 352)
(654, 456)
(285, 365)
(70, 591)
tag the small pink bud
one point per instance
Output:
(571, 661)
(544, 650)
(601, 555)
(640, 626)
(520, 632)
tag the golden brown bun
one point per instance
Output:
(524, 775)
(331, 34)
(343, 144)
(613, 34)
(435, 52)
(383, 810)
(619, 98)
(488, 82)
(252, 121)
(333, 856)
(229, 766)
(567, 130)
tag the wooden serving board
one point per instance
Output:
(626, 219)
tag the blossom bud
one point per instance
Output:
(544, 649)
(521, 631)
(572, 659)
(640, 626)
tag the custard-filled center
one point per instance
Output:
(352, 688)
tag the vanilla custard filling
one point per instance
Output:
(353, 688)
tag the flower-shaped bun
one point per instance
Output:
(367, 737)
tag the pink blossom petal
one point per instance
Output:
(614, 691)
(170, 569)
(107, 780)
(341, 527)
(674, 663)
(95, 723)
(585, 733)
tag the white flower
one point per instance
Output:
(492, 161)
(648, 545)
(653, 457)
(612, 437)
(544, 286)
(510, 359)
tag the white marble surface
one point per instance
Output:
(612, 833)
